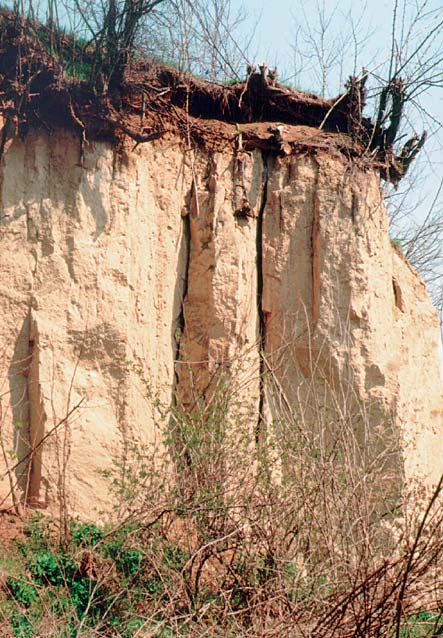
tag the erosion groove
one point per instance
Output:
(181, 320)
(315, 255)
(260, 312)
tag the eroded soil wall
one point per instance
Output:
(145, 274)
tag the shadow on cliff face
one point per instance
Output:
(19, 402)
(28, 417)
(89, 187)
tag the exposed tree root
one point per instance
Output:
(150, 99)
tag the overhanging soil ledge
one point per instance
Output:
(150, 100)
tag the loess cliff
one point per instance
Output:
(179, 264)
(160, 238)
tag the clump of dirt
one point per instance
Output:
(151, 100)
(11, 528)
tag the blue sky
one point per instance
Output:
(279, 19)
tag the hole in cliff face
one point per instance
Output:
(241, 205)
(242, 215)
(374, 377)
(398, 296)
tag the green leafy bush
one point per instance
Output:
(22, 591)
(85, 534)
(53, 569)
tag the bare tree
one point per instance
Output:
(420, 238)
(324, 54)
(416, 58)
(199, 37)
(113, 27)
(110, 29)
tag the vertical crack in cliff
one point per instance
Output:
(261, 316)
(18, 374)
(315, 254)
(180, 326)
(36, 419)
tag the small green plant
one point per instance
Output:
(397, 242)
(424, 624)
(21, 590)
(86, 534)
(52, 569)
(22, 626)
